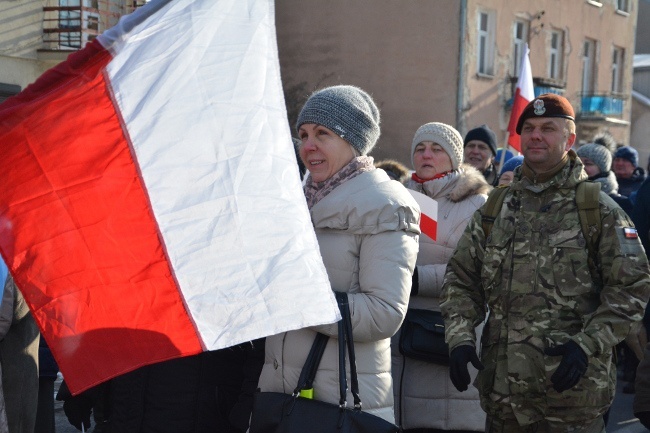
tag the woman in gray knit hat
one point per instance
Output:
(425, 399)
(597, 160)
(367, 227)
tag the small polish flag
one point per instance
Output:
(429, 211)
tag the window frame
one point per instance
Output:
(486, 39)
(589, 71)
(556, 55)
(518, 44)
(623, 6)
(618, 69)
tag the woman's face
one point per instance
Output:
(322, 151)
(430, 159)
(591, 168)
(506, 178)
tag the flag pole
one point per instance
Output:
(503, 153)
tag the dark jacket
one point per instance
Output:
(609, 185)
(47, 366)
(628, 186)
(641, 405)
(641, 214)
(211, 392)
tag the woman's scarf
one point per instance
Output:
(316, 191)
(418, 179)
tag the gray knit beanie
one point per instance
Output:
(348, 111)
(598, 153)
(444, 135)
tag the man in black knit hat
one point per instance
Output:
(480, 151)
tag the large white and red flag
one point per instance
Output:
(150, 201)
(523, 95)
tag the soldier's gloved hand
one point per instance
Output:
(572, 366)
(458, 360)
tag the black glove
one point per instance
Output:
(78, 410)
(572, 367)
(644, 417)
(458, 360)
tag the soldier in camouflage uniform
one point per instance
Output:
(552, 320)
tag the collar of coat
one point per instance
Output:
(455, 186)
(567, 174)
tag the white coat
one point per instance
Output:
(367, 230)
(424, 394)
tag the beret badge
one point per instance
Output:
(538, 105)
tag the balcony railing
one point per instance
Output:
(69, 24)
(601, 105)
(540, 90)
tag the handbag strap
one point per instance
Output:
(344, 306)
(343, 384)
(309, 369)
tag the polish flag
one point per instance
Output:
(150, 200)
(523, 95)
(429, 214)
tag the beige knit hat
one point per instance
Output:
(444, 135)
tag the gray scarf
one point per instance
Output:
(316, 191)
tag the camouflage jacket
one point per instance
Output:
(532, 275)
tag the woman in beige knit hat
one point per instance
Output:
(425, 399)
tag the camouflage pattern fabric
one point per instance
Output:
(532, 275)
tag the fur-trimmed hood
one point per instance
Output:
(457, 186)
(608, 182)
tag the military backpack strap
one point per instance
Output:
(588, 202)
(492, 207)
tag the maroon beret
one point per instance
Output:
(546, 105)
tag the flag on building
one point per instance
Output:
(150, 202)
(523, 95)
(429, 214)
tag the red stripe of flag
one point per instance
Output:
(428, 226)
(56, 207)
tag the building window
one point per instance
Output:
(556, 54)
(486, 40)
(589, 66)
(7, 90)
(519, 40)
(595, 3)
(623, 6)
(618, 59)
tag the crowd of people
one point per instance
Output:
(536, 268)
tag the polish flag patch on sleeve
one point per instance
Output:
(630, 233)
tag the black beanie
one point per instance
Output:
(485, 134)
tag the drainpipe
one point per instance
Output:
(461, 67)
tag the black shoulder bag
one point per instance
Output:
(275, 412)
(423, 337)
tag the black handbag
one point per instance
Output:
(423, 337)
(275, 412)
